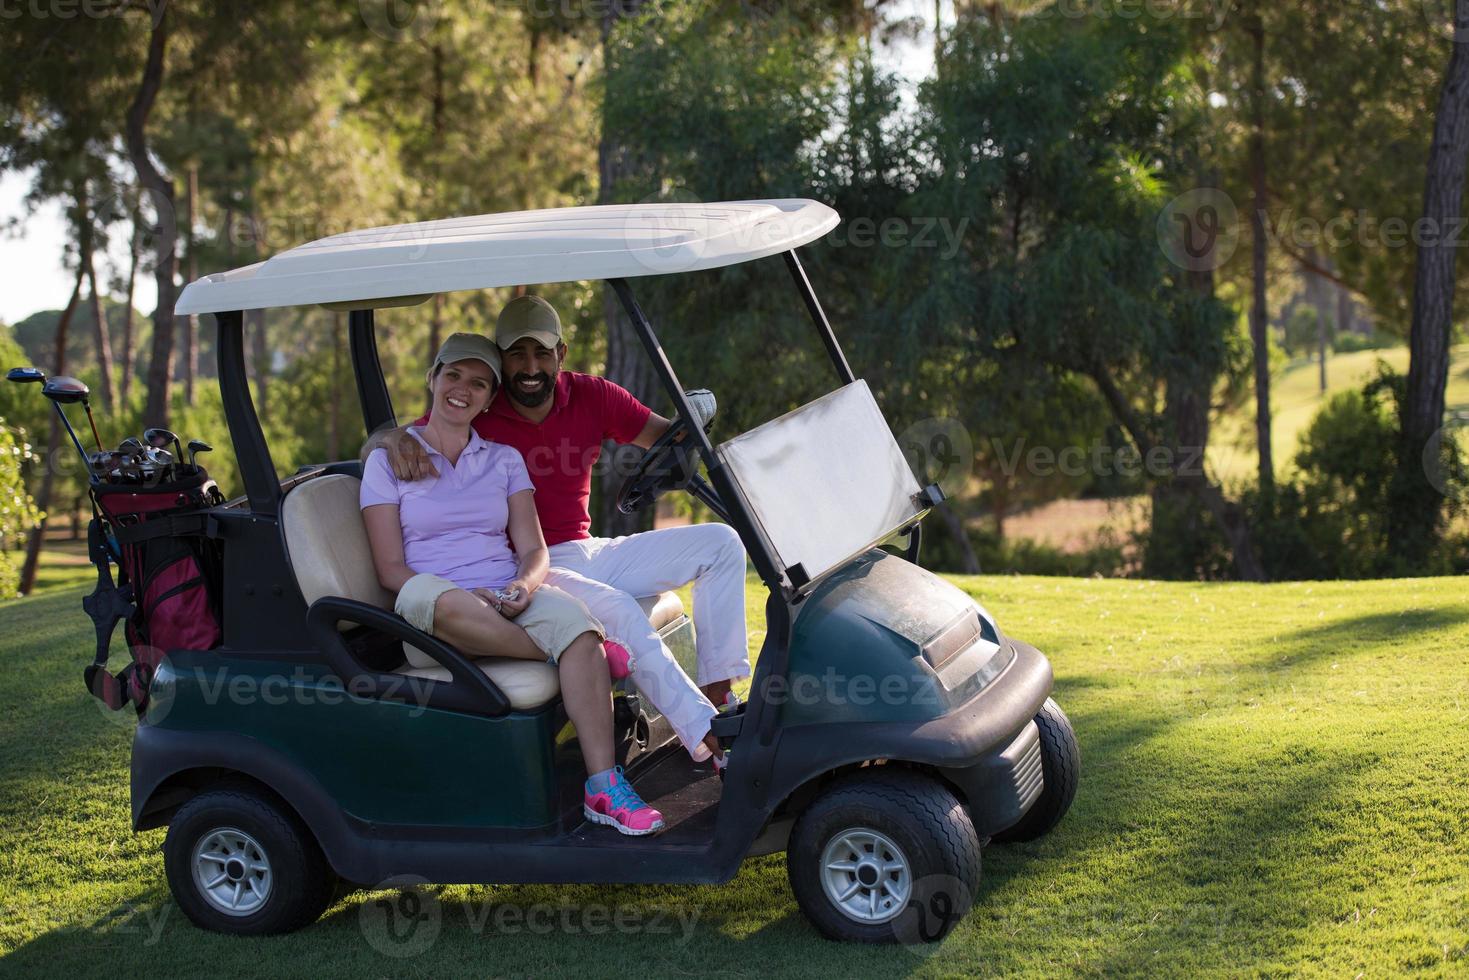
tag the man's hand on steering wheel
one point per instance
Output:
(671, 463)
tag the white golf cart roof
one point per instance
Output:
(400, 265)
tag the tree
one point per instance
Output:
(704, 101)
(1417, 505)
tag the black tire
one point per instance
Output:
(300, 882)
(928, 824)
(1061, 770)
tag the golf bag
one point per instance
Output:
(167, 553)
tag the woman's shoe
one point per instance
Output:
(620, 806)
(619, 661)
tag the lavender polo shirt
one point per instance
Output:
(454, 523)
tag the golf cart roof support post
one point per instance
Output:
(740, 517)
(818, 316)
(257, 469)
(367, 368)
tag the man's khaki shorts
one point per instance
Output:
(553, 619)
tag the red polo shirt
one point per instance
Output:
(561, 450)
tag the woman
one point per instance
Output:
(443, 545)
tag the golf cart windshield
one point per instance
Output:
(824, 482)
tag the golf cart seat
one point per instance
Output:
(329, 554)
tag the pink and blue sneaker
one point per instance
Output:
(611, 800)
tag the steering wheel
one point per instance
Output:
(671, 463)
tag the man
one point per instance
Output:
(557, 420)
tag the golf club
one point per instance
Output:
(65, 390)
(197, 446)
(61, 391)
(159, 438)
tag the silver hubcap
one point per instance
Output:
(866, 875)
(232, 871)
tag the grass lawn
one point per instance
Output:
(1273, 781)
(1295, 398)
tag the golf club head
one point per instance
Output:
(197, 446)
(130, 446)
(159, 438)
(25, 375)
(65, 390)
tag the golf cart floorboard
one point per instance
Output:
(686, 793)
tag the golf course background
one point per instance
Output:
(1273, 781)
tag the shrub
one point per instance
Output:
(18, 513)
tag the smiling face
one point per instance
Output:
(462, 390)
(531, 370)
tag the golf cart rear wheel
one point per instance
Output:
(239, 863)
(1061, 772)
(886, 855)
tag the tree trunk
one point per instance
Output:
(53, 439)
(1227, 514)
(1259, 316)
(1344, 317)
(160, 190)
(191, 329)
(627, 364)
(1416, 516)
(1319, 292)
(957, 531)
(99, 315)
(134, 247)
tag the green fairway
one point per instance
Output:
(1295, 398)
(1273, 781)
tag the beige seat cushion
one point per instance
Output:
(327, 543)
(662, 609)
(328, 550)
(527, 683)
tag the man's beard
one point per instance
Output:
(531, 399)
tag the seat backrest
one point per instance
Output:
(327, 542)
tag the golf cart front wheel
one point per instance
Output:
(238, 863)
(1060, 773)
(884, 856)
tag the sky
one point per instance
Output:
(32, 244)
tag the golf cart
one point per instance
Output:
(890, 731)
